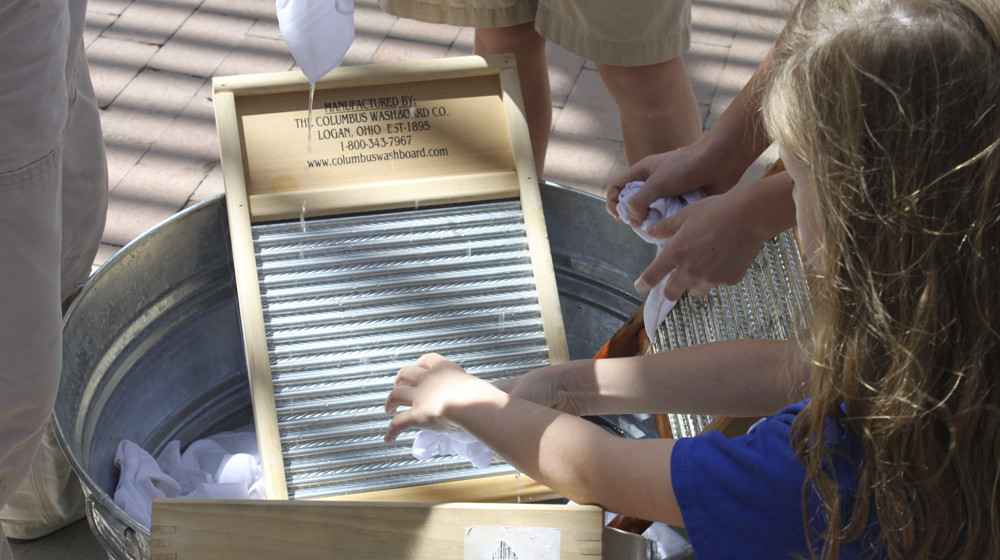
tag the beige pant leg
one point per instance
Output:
(30, 336)
(50, 497)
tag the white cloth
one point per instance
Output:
(429, 443)
(657, 306)
(222, 466)
(317, 32)
(666, 541)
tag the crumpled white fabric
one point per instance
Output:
(667, 542)
(222, 466)
(429, 443)
(657, 305)
(317, 32)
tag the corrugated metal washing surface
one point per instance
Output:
(766, 304)
(349, 300)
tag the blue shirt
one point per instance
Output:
(742, 497)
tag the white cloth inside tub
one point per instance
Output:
(657, 305)
(223, 466)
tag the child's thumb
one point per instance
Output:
(667, 227)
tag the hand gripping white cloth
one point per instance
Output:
(317, 32)
(657, 305)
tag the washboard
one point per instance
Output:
(401, 216)
(769, 303)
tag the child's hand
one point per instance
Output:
(671, 174)
(431, 388)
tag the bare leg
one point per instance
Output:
(658, 109)
(533, 73)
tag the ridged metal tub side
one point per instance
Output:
(152, 348)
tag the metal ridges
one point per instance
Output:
(766, 304)
(350, 300)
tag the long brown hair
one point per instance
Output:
(893, 106)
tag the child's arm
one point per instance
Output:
(732, 378)
(574, 457)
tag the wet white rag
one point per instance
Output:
(317, 32)
(657, 305)
(429, 443)
(223, 466)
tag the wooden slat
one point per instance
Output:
(534, 218)
(384, 196)
(505, 488)
(226, 529)
(362, 76)
(251, 313)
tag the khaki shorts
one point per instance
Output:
(619, 32)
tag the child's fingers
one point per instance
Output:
(401, 395)
(676, 285)
(431, 360)
(611, 202)
(660, 267)
(667, 227)
(410, 375)
(398, 425)
(637, 172)
(400, 380)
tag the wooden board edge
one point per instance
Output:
(503, 488)
(366, 75)
(248, 300)
(369, 197)
(534, 219)
(211, 529)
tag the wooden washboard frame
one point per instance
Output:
(474, 110)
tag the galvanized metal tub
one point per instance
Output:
(153, 350)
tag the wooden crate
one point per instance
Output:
(223, 529)
(379, 138)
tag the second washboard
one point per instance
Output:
(399, 216)
(768, 303)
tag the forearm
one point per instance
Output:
(571, 455)
(574, 457)
(730, 378)
(738, 137)
(766, 206)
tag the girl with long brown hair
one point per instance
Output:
(882, 436)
